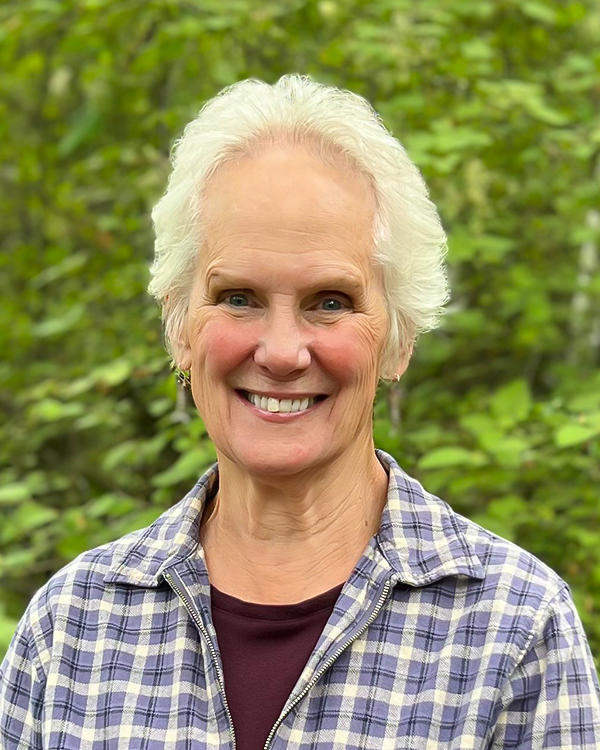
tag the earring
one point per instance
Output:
(397, 378)
(183, 378)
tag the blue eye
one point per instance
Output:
(237, 300)
(331, 304)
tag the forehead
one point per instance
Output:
(284, 204)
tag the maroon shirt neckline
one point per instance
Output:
(252, 610)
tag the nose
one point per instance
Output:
(282, 346)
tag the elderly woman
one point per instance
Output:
(306, 593)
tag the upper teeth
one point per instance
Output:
(282, 405)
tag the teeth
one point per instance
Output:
(284, 406)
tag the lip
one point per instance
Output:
(270, 416)
(280, 396)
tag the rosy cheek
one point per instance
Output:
(224, 344)
(346, 351)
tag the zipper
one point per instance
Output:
(198, 620)
(316, 677)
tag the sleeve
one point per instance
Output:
(21, 692)
(553, 698)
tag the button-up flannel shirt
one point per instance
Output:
(444, 637)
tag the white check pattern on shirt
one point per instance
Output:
(444, 637)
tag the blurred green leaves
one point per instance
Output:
(498, 104)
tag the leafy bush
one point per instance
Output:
(497, 102)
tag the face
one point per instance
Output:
(286, 321)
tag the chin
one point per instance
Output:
(277, 460)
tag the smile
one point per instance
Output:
(272, 405)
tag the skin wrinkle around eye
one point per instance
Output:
(328, 296)
(346, 283)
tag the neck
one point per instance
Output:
(280, 539)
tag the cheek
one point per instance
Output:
(349, 351)
(222, 345)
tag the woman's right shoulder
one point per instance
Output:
(76, 583)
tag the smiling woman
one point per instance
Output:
(306, 593)
(309, 319)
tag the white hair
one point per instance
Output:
(409, 243)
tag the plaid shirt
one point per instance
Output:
(445, 637)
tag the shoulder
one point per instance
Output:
(439, 543)
(510, 567)
(520, 588)
(76, 596)
(90, 568)
(90, 587)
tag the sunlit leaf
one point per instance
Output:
(451, 456)
(574, 434)
(512, 401)
(60, 324)
(188, 466)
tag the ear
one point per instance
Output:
(180, 348)
(183, 357)
(403, 363)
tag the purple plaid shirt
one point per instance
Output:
(444, 637)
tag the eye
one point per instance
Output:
(237, 299)
(334, 304)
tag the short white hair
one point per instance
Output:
(409, 242)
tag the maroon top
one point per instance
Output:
(264, 648)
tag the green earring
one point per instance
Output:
(183, 378)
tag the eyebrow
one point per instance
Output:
(347, 282)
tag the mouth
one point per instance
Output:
(273, 405)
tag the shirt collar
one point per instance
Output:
(141, 557)
(420, 536)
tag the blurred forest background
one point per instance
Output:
(497, 101)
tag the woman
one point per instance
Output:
(306, 593)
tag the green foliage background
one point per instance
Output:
(497, 101)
